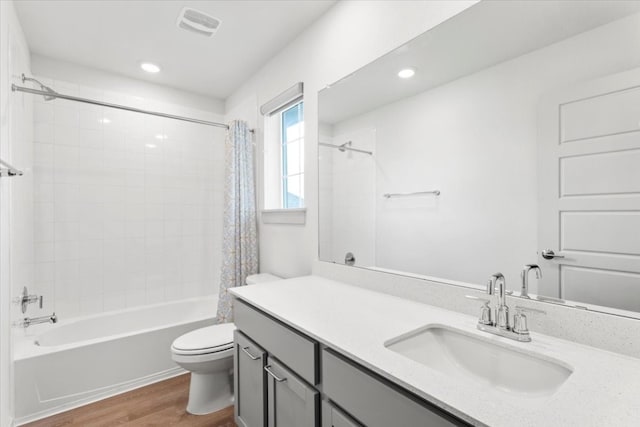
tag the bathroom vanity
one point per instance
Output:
(315, 352)
(292, 396)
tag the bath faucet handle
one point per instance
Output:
(25, 299)
(520, 320)
(485, 310)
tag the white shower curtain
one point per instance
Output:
(240, 241)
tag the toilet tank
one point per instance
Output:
(261, 278)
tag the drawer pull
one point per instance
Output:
(275, 377)
(251, 356)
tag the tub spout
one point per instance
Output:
(27, 321)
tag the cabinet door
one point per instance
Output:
(249, 382)
(333, 417)
(291, 402)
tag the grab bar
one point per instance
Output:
(416, 193)
(8, 170)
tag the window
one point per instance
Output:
(292, 154)
(284, 156)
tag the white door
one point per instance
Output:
(589, 192)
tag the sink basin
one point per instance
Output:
(469, 357)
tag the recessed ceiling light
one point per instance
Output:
(105, 120)
(161, 136)
(150, 145)
(406, 73)
(149, 67)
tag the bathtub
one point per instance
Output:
(81, 360)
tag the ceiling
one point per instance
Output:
(484, 35)
(116, 35)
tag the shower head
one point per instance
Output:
(42, 87)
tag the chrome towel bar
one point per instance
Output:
(416, 193)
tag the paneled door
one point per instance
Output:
(589, 192)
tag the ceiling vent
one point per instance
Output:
(198, 22)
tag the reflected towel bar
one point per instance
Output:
(345, 147)
(417, 193)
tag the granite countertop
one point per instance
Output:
(602, 390)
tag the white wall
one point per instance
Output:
(348, 36)
(91, 77)
(123, 218)
(16, 207)
(474, 139)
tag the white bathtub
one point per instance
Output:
(77, 361)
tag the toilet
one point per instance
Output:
(208, 354)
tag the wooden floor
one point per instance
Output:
(160, 404)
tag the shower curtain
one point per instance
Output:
(240, 241)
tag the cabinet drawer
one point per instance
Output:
(292, 403)
(374, 401)
(290, 347)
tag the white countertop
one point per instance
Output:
(603, 390)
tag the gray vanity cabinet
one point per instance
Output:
(281, 365)
(292, 403)
(278, 383)
(249, 381)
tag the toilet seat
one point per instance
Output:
(208, 340)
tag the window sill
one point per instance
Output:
(284, 216)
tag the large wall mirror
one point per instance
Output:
(518, 132)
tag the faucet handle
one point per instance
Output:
(520, 320)
(485, 310)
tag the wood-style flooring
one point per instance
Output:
(159, 404)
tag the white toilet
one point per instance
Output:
(208, 354)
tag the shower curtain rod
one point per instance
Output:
(52, 94)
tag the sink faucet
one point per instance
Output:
(27, 321)
(524, 292)
(501, 326)
(502, 311)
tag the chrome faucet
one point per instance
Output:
(27, 321)
(501, 326)
(25, 299)
(502, 311)
(524, 275)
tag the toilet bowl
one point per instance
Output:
(208, 354)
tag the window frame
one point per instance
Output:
(273, 210)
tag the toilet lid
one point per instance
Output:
(206, 340)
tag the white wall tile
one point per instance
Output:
(65, 135)
(43, 132)
(113, 202)
(114, 301)
(42, 113)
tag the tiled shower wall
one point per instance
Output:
(128, 207)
